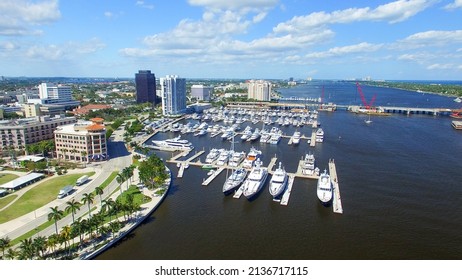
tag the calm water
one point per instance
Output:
(399, 180)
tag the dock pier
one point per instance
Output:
(239, 192)
(337, 202)
(213, 176)
(271, 164)
(286, 195)
(313, 139)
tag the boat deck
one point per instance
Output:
(337, 202)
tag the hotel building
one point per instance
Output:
(201, 92)
(82, 141)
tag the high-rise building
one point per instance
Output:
(201, 92)
(173, 91)
(259, 90)
(145, 82)
(55, 94)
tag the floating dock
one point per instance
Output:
(286, 195)
(181, 171)
(239, 192)
(271, 165)
(337, 202)
(313, 139)
(213, 176)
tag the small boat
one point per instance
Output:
(278, 181)
(296, 138)
(368, 121)
(458, 100)
(251, 158)
(234, 180)
(324, 188)
(213, 155)
(208, 167)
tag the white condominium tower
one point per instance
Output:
(173, 95)
(259, 90)
(51, 93)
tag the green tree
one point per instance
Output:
(55, 215)
(11, 254)
(99, 191)
(88, 198)
(73, 206)
(120, 179)
(26, 249)
(40, 245)
(4, 244)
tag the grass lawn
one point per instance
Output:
(4, 201)
(38, 196)
(6, 177)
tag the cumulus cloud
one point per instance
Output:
(345, 50)
(7, 46)
(234, 4)
(20, 16)
(455, 5)
(68, 50)
(392, 12)
(431, 38)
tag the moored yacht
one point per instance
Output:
(296, 138)
(223, 158)
(234, 180)
(256, 179)
(324, 188)
(212, 155)
(236, 158)
(308, 167)
(173, 144)
(251, 158)
(278, 181)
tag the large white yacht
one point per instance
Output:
(236, 158)
(296, 137)
(173, 144)
(234, 180)
(212, 155)
(255, 181)
(278, 181)
(324, 189)
(308, 167)
(223, 158)
(251, 158)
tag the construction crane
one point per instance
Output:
(363, 99)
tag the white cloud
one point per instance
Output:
(431, 38)
(145, 5)
(455, 5)
(69, 50)
(392, 12)
(8, 46)
(345, 50)
(438, 66)
(234, 4)
(108, 14)
(18, 17)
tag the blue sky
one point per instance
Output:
(413, 39)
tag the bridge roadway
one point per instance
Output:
(301, 103)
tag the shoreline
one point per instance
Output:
(146, 211)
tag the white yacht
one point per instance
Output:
(212, 155)
(173, 144)
(308, 167)
(236, 158)
(296, 138)
(255, 135)
(278, 181)
(234, 180)
(255, 181)
(201, 132)
(223, 158)
(246, 135)
(251, 158)
(319, 135)
(324, 189)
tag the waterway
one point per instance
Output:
(399, 179)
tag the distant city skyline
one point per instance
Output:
(241, 39)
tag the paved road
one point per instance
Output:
(119, 159)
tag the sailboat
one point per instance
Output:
(368, 121)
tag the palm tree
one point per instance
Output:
(88, 199)
(114, 227)
(26, 249)
(99, 191)
(84, 157)
(55, 215)
(120, 179)
(52, 241)
(108, 205)
(4, 243)
(11, 254)
(73, 152)
(40, 245)
(65, 234)
(73, 206)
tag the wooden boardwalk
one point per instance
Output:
(213, 176)
(313, 139)
(337, 202)
(286, 195)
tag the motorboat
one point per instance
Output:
(234, 180)
(324, 188)
(255, 135)
(296, 138)
(223, 158)
(256, 179)
(212, 155)
(308, 167)
(236, 158)
(278, 181)
(251, 158)
(173, 144)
